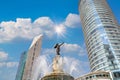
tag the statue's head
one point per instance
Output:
(56, 45)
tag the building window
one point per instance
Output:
(117, 74)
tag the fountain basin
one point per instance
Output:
(57, 76)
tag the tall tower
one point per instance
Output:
(32, 54)
(102, 35)
(21, 66)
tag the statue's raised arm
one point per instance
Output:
(61, 44)
(57, 47)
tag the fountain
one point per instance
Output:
(48, 66)
(57, 68)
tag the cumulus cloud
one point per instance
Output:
(71, 48)
(72, 20)
(43, 21)
(48, 51)
(3, 56)
(12, 64)
(8, 64)
(7, 67)
(4, 60)
(25, 28)
(67, 49)
(10, 72)
(44, 25)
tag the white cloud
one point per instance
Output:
(43, 21)
(72, 20)
(45, 25)
(3, 56)
(12, 64)
(74, 49)
(25, 28)
(7, 67)
(2, 64)
(10, 72)
(8, 64)
(48, 51)
(4, 60)
(70, 48)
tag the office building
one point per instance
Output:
(32, 54)
(98, 75)
(21, 66)
(102, 36)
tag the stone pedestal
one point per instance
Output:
(58, 73)
(57, 64)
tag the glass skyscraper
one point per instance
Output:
(21, 66)
(102, 35)
(32, 54)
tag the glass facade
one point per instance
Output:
(21, 66)
(102, 35)
(115, 75)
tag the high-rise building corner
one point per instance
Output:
(102, 35)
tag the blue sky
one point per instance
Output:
(22, 20)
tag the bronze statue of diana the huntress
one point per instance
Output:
(57, 47)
